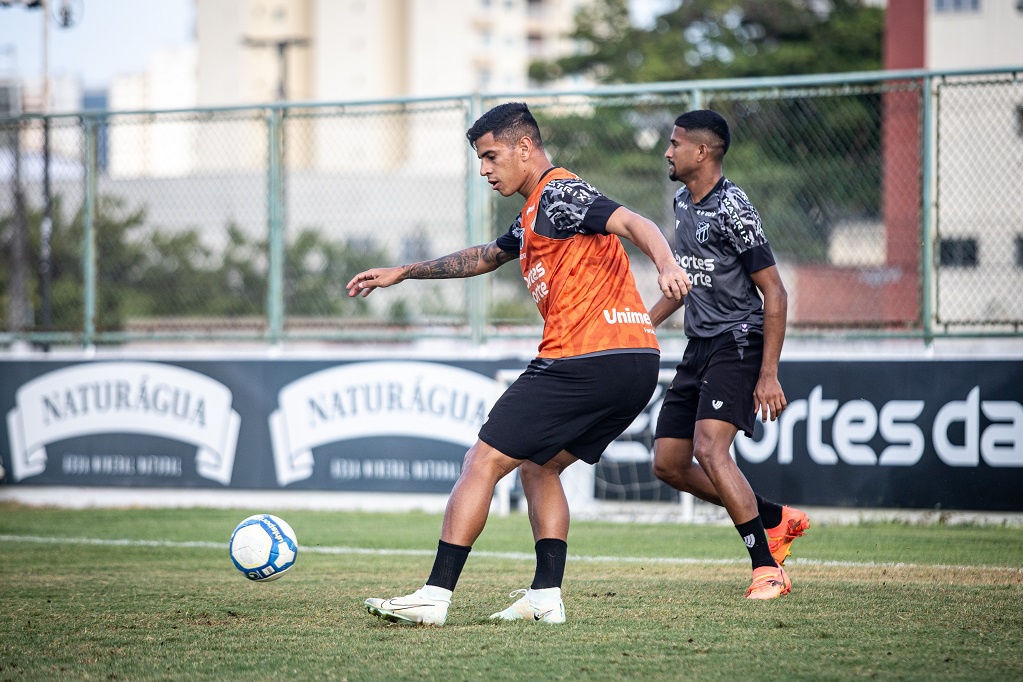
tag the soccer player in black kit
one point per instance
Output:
(729, 370)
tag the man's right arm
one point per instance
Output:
(475, 260)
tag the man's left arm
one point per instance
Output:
(768, 397)
(671, 278)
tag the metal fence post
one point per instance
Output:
(89, 237)
(927, 209)
(475, 229)
(275, 228)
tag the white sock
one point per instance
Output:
(436, 593)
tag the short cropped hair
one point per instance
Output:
(709, 121)
(508, 122)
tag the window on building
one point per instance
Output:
(956, 5)
(1019, 251)
(10, 99)
(534, 43)
(958, 253)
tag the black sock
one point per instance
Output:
(551, 555)
(770, 512)
(755, 538)
(448, 564)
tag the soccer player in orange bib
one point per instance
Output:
(595, 370)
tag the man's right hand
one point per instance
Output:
(365, 282)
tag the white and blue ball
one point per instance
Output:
(263, 547)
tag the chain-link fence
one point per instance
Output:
(891, 201)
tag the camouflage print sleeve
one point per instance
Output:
(511, 241)
(571, 205)
(741, 220)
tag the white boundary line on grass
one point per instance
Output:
(515, 556)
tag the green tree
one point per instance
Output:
(722, 39)
(144, 272)
(807, 161)
(317, 270)
(192, 279)
(195, 280)
(118, 254)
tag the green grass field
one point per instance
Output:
(147, 594)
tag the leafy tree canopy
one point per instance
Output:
(703, 39)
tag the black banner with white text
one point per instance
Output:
(918, 434)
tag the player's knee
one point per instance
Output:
(712, 459)
(530, 473)
(536, 477)
(666, 470)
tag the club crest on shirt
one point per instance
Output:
(702, 231)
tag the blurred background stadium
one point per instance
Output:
(228, 193)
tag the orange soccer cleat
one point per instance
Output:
(779, 539)
(768, 583)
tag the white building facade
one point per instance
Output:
(979, 160)
(344, 50)
(252, 52)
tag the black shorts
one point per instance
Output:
(576, 404)
(715, 380)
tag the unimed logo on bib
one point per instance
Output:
(367, 399)
(124, 397)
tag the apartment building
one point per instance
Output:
(977, 152)
(327, 51)
(344, 50)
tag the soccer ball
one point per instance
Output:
(263, 547)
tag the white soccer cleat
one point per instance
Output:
(531, 606)
(520, 610)
(412, 608)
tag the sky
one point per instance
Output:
(112, 37)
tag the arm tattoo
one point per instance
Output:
(474, 260)
(495, 255)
